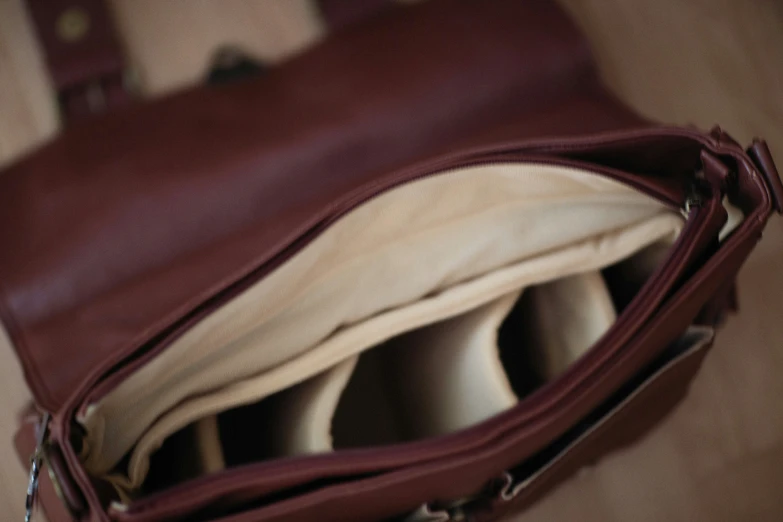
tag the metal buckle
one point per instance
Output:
(36, 460)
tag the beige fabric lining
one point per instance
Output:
(571, 314)
(448, 375)
(304, 420)
(417, 254)
(207, 437)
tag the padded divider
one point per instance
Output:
(427, 382)
(441, 377)
(192, 451)
(294, 421)
(459, 372)
(558, 322)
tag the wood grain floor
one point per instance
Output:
(719, 457)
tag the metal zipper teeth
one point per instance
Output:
(142, 355)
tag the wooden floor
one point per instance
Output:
(719, 457)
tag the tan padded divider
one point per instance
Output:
(449, 375)
(571, 314)
(303, 422)
(207, 436)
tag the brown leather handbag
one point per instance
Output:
(424, 271)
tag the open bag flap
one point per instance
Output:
(129, 223)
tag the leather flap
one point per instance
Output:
(127, 225)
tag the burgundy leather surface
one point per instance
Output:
(87, 69)
(212, 188)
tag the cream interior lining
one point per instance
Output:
(303, 416)
(450, 375)
(570, 315)
(419, 253)
(427, 382)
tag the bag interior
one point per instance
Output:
(425, 310)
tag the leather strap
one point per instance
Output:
(86, 62)
(83, 54)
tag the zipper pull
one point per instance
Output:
(36, 461)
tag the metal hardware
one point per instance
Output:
(501, 489)
(73, 24)
(36, 460)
